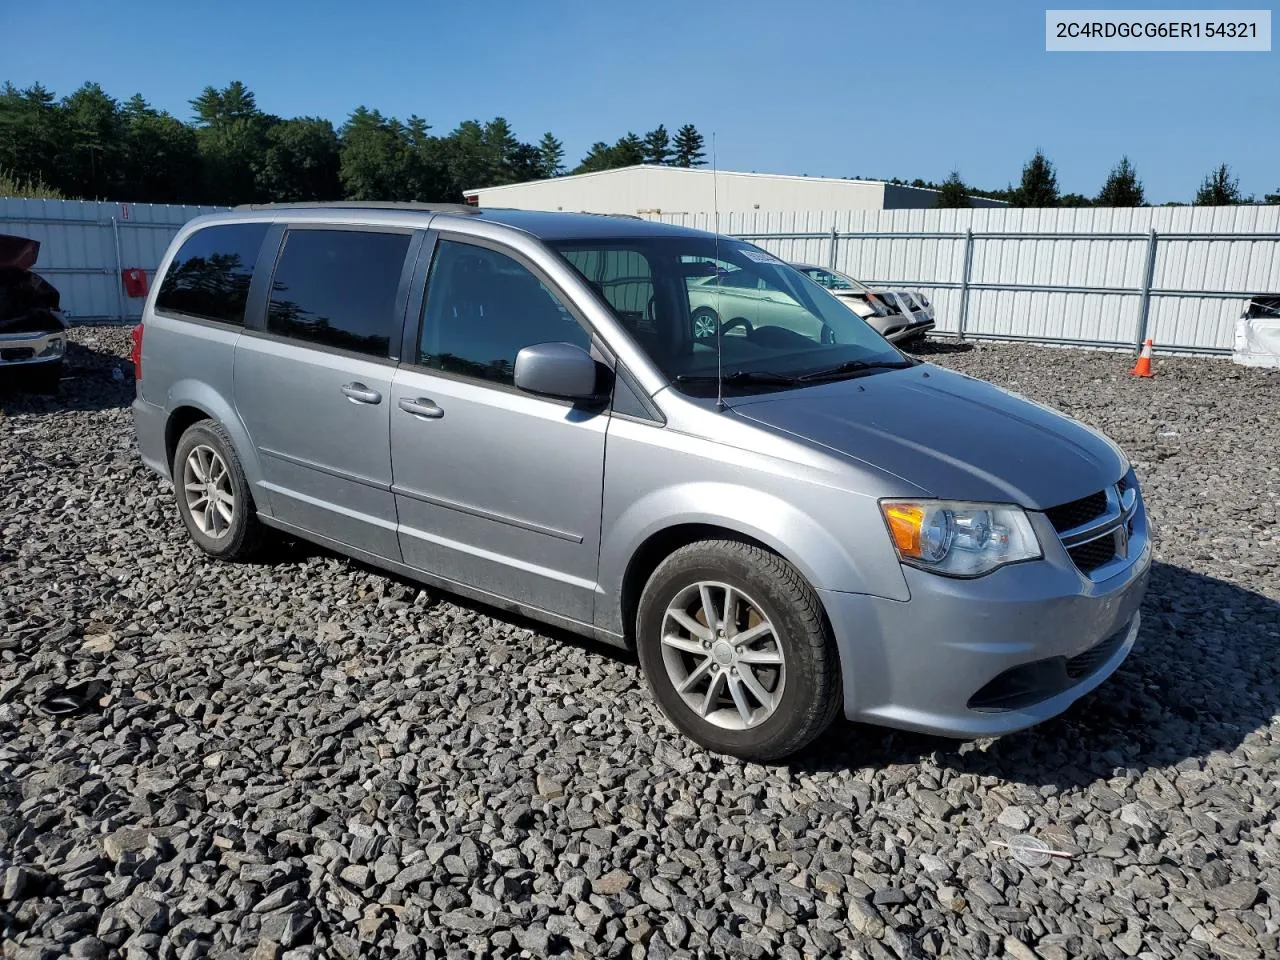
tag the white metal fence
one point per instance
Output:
(1091, 276)
(1098, 277)
(85, 246)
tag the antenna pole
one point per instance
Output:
(715, 210)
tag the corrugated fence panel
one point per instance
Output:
(78, 248)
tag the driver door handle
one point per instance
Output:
(421, 407)
(357, 392)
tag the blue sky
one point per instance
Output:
(875, 89)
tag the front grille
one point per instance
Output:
(1077, 513)
(1094, 554)
(17, 353)
(1081, 665)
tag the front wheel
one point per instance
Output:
(737, 651)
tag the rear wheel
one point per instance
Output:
(213, 494)
(737, 651)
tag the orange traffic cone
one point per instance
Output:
(1143, 367)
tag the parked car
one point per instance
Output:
(33, 332)
(787, 522)
(898, 315)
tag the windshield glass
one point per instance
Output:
(774, 324)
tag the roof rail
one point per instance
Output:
(364, 205)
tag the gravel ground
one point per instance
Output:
(308, 758)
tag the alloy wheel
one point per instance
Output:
(206, 484)
(723, 655)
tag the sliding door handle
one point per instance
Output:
(421, 407)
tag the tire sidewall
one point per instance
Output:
(802, 683)
(208, 434)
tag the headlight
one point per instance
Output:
(959, 539)
(54, 347)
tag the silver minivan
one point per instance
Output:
(784, 521)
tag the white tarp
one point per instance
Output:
(1258, 342)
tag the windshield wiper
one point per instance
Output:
(852, 367)
(741, 378)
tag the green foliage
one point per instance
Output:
(688, 147)
(89, 145)
(628, 151)
(550, 156)
(1220, 189)
(1271, 197)
(301, 161)
(657, 145)
(1122, 188)
(952, 193)
(1039, 187)
(1074, 200)
(12, 186)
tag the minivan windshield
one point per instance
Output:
(683, 298)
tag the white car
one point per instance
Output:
(896, 314)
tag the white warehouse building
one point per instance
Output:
(651, 191)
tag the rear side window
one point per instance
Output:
(337, 288)
(210, 275)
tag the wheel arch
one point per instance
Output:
(191, 401)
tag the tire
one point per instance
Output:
(236, 538)
(705, 320)
(770, 592)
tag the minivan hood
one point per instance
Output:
(950, 435)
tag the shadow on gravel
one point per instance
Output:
(88, 384)
(287, 550)
(1204, 675)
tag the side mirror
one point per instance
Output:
(556, 370)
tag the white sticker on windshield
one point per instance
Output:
(759, 256)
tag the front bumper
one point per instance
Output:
(918, 326)
(32, 349)
(991, 655)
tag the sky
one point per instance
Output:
(824, 88)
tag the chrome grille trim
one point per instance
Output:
(1115, 522)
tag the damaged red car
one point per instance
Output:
(33, 331)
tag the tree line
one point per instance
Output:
(89, 145)
(1122, 188)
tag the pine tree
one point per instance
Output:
(1219, 189)
(628, 151)
(657, 146)
(551, 155)
(1039, 186)
(688, 147)
(952, 193)
(1123, 188)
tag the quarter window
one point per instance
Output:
(210, 274)
(337, 288)
(483, 308)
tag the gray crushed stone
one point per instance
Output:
(308, 758)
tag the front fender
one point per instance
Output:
(847, 551)
(198, 394)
